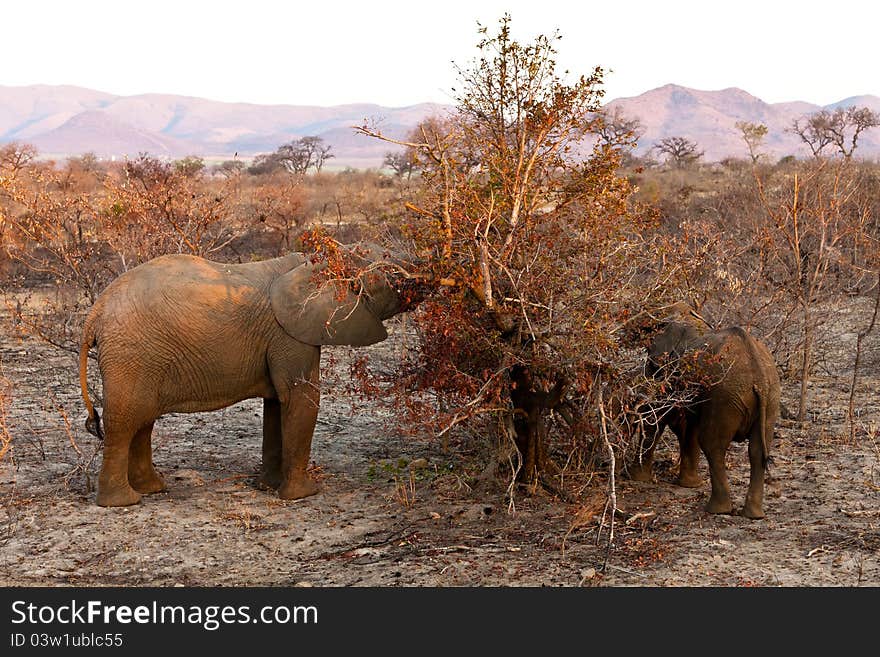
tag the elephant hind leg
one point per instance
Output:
(716, 430)
(142, 475)
(754, 505)
(113, 486)
(719, 500)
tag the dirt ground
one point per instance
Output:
(396, 511)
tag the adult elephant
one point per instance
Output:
(181, 334)
(738, 400)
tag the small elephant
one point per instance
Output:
(181, 334)
(739, 402)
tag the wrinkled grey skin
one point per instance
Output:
(180, 334)
(741, 404)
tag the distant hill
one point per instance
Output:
(709, 118)
(63, 120)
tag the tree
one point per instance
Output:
(87, 162)
(813, 131)
(264, 164)
(190, 166)
(530, 242)
(679, 151)
(15, 156)
(300, 155)
(753, 135)
(841, 128)
(848, 125)
(320, 152)
(229, 168)
(617, 129)
(296, 157)
(401, 162)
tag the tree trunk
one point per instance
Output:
(530, 405)
(805, 363)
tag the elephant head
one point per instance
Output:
(319, 310)
(678, 327)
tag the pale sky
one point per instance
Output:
(398, 53)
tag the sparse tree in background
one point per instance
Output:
(190, 166)
(87, 162)
(841, 128)
(679, 151)
(753, 135)
(321, 153)
(229, 168)
(848, 125)
(303, 154)
(296, 157)
(401, 162)
(814, 131)
(15, 156)
(617, 129)
(265, 164)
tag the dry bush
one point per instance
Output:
(64, 243)
(787, 251)
(280, 204)
(544, 257)
(349, 196)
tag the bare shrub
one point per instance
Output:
(543, 258)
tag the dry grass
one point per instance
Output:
(5, 435)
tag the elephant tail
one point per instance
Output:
(762, 422)
(93, 423)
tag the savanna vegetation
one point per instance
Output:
(548, 246)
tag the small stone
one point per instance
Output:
(418, 464)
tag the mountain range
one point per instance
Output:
(63, 121)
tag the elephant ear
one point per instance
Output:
(312, 312)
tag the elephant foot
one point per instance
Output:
(752, 511)
(152, 482)
(269, 481)
(640, 472)
(303, 486)
(719, 506)
(118, 496)
(689, 480)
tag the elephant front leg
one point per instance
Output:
(298, 417)
(640, 468)
(142, 475)
(689, 458)
(270, 475)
